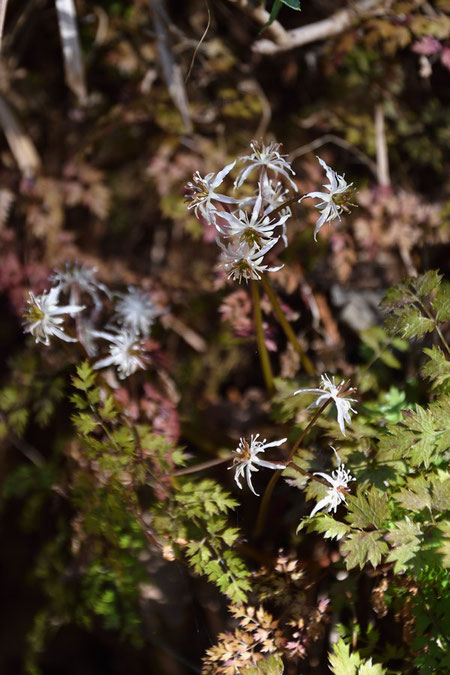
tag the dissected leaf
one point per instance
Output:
(437, 368)
(272, 665)
(362, 547)
(368, 509)
(409, 323)
(424, 284)
(416, 495)
(343, 662)
(441, 303)
(405, 540)
(331, 528)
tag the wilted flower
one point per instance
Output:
(126, 352)
(202, 191)
(76, 279)
(244, 261)
(247, 459)
(267, 156)
(257, 228)
(332, 203)
(44, 317)
(339, 480)
(329, 390)
(136, 311)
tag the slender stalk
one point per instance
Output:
(433, 318)
(443, 340)
(263, 508)
(307, 473)
(203, 465)
(284, 205)
(263, 353)
(298, 442)
(286, 326)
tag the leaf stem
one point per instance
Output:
(262, 349)
(287, 328)
(263, 508)
(433, 318)
(443, 340)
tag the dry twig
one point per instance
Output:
(262, 16)
(3, 4)
(21, 145)
(383, 176)
(73, 62)
(319, 30)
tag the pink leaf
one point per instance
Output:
(426, 46)
(445, 57)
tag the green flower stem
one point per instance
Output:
(263, 353)
(286, 326)
(263, 508)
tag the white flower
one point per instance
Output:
(267, 156)
(329, 390)
(244, 261)
(247, 459)
(78, 278)
(86, 329)
(339, 480)
(257, 228)
(202, 191)
(136, 311)
(44, 317)
(126, 352)
(330, 207)
(274, 194)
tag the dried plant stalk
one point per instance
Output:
(21, 145)
(3, 4)
(73, 63)
(171, 70)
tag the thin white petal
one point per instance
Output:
(320, 505)
(221, 174)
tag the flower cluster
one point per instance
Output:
(246, 458)
(253, 224)
(134, 315)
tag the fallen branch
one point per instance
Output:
(262, 16)
(320, 30)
